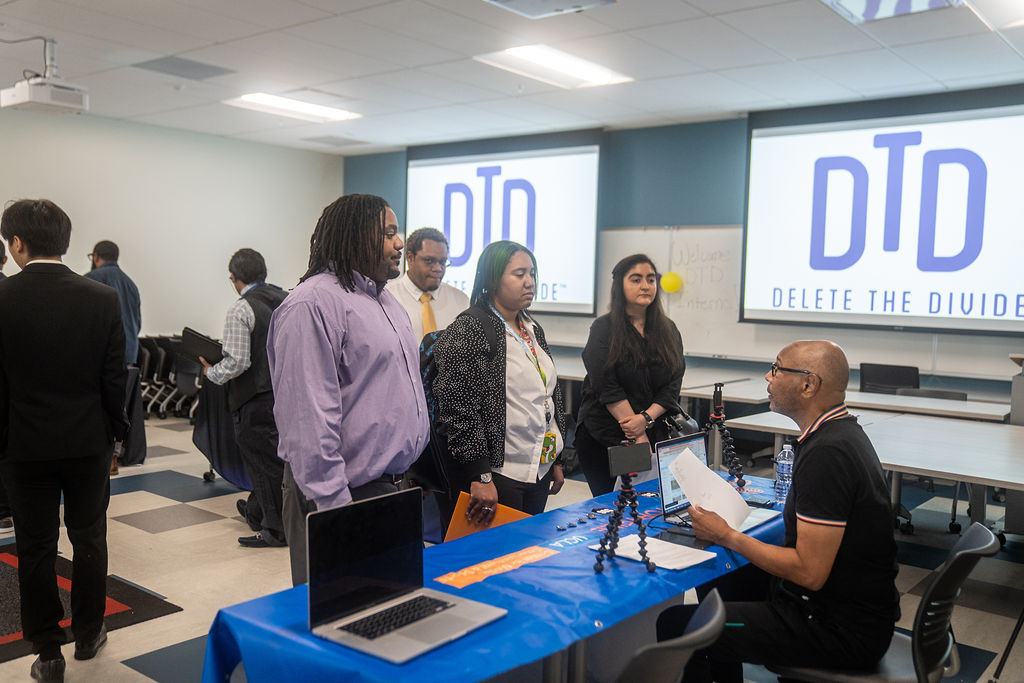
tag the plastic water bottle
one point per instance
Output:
(783, 473)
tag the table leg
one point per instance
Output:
(577, 662)
(553, 671)
(976, 497)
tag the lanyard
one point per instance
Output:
(526, 342)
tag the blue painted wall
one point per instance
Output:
(691, 174)
(379, 174)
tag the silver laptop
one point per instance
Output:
(365, 569)
(673, 501)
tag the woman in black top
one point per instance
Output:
(634, 361)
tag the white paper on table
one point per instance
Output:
(704, 488)
(664, 554)
(757, 517)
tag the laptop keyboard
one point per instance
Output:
(396, 617)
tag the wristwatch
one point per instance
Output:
(485, 478)
(648, 418)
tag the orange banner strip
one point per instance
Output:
(499, 565)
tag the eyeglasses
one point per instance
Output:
(89, 256)
(776, 368)
(430, 262)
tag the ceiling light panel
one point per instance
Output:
(552, 66)
(286, 106)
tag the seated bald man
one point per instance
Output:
(833, 600)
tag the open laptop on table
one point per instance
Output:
(365, 568)
(673, 501)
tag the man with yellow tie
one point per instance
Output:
(430, 303)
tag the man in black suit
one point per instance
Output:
(62, 388)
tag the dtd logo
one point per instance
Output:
(927, 260)
(508, 187)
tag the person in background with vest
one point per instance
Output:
(246, 371)
(430, 303)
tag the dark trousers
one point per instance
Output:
(773, 627)
(5, 503)
(297, 506)
(594, 461)
(256, 434)
(35, 490)
(523, 496)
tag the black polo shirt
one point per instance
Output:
(838, 481)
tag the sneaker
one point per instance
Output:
(260, 540)
(48, 670)
(6, 523)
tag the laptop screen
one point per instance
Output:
(363, 554)
(672, 498)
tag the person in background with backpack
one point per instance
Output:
(635, 365)
(498, 404)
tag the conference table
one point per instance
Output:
(542, 575)
(978, 453)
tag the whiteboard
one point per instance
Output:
(709, 260)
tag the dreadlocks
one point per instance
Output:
(349, 236)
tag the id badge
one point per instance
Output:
(549, 450)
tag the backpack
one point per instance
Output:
(431, 469)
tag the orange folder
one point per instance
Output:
(460, 526)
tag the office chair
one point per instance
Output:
(663, 662)
(887, 379)
(920, 657)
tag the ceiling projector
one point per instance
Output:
(45, 94)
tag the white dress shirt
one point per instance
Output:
(527, 401)
(448, 302)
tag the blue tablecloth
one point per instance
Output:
(551, 604)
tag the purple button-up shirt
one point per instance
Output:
(348, 399)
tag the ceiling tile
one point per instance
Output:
(488, 77)
(371, 41)
(265, 13)
(669, 96)
(801, 29)
(625, 15)
(871, 69)
(709, 43)
(424, 82)
(791, 83)
(128, 92)
(723, 6)
(342, 6)
(426, 23)
(923, 26)
(528, 31)
(587, 102)
(628, 55)
(172, 16)
(89, 22)
(293, 49)
(535, 112)
(217, 119)
(256, 72)
(370, 89)
(954, 58)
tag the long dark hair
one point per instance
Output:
(624, 346)
(349, 236)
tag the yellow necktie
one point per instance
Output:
(429, 324)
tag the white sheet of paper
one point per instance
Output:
(757, 517)
(704, 488)
(664, 554)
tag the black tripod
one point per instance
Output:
(717, 421)
(610, 540)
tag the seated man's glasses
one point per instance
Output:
(777, 368)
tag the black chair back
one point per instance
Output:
(664, 662)
(887, 379)
(932, 639)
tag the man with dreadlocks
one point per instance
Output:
(349, 407)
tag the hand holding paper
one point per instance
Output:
(703, 487)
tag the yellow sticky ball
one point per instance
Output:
(671, 282)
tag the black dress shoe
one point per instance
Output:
(88, 649)
(260, 540)
(48, 670)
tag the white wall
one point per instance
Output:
(178, 204)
